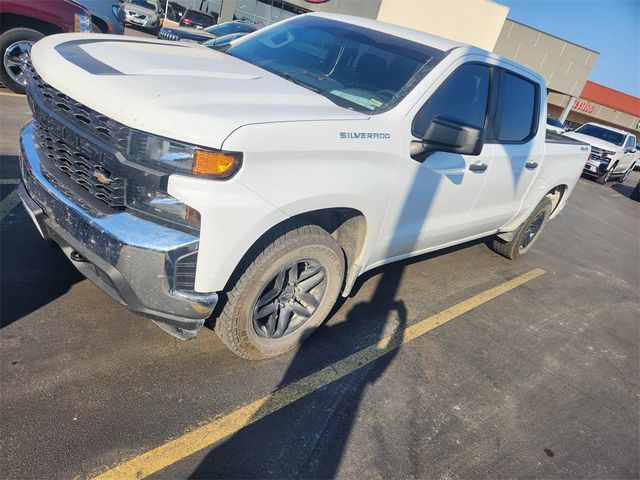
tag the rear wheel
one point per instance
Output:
(15, 48)
(527, 233)
(283, 295)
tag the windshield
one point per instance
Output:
(227, 28)
(554, 122)
(602, 133)
(144, 4)
(355, 67)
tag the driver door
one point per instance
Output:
(433, 196)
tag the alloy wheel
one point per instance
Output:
(289, 299)
(15, 60)
(533, 230)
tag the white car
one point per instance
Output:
(268, 179)
(613, 151)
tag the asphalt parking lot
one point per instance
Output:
(535, 379)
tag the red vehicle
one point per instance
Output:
(24, 22)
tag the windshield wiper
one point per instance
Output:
(291, 78)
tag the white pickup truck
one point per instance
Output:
(613, 151)
(257, 185)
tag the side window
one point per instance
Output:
(516, 114)
(631, 142)
(462, 97)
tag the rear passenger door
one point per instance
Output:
(516, 149)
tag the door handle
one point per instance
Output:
(531, 165)
(478, 167)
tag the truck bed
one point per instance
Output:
(553, 137)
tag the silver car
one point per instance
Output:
(146, 14)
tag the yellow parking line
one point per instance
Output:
(10, 94)
(175, 450)
(8, 204)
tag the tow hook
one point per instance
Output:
(77, 257)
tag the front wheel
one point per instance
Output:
(283, 295)
(606, 176)
(527, 233)
(627, 172)
(15, 48)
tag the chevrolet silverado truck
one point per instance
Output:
(613, 152)
(255, 186)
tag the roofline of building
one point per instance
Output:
(552, 35)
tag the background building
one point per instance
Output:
(564, 65)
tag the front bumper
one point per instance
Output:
(595, 167)
(131, 259)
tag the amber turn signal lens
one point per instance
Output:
(218, 164)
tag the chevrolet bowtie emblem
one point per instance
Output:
(102, 177)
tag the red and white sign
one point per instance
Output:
(583, 106)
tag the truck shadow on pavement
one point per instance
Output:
(308, 439)
(33, 272)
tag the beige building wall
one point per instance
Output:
(477, 22)
(565, 66)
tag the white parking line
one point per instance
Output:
(9, 181)
(9, 204)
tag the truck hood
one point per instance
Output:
(594, 142)
(181, 91)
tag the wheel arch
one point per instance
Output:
(558, 197)
(100, 23)
(10, 21)
(348, 226)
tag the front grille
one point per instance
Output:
(105, 128)
(164, 35)
(77, 166)
(85, 172)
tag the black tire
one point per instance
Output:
(514, 248)
(606, 176)
(8, 38)
(95, 28)
(623, 178)
(235, 325)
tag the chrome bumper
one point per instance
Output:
(131, 259)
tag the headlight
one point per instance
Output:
(162, 207)
(82, 23)
(176, 157)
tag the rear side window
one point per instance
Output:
(516, 115)
(462, 97)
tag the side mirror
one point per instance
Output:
(629, 150)
(447, 135)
